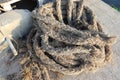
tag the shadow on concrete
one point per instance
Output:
(115, 3)
(25, 4)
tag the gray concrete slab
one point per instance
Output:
(15, 24)
(110, 20)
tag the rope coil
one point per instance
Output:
(66, 41)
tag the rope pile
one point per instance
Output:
(66, 40)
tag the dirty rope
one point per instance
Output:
(66, 40)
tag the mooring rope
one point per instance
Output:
(64, 48)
